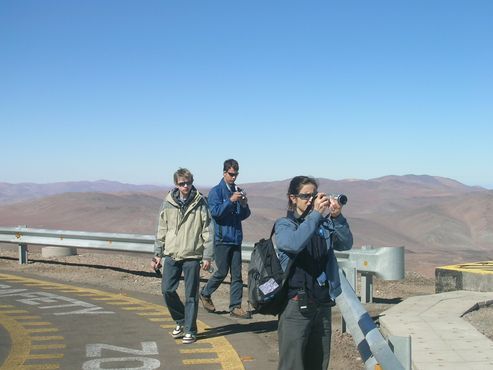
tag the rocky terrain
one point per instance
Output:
(421, 213)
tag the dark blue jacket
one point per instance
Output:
(227, 215)
(292, 237)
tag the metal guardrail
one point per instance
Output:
(78, 239)
(371, 344)
(386, 263)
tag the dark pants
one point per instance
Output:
(227, 258)
(304, 338)
(185, 315)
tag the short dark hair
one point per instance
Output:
(295, 186)
(231, 163)
(182, 172)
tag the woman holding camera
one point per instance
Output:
(306, 241)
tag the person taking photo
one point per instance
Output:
(228, 205)
(306, 241)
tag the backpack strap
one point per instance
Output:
(290, 262)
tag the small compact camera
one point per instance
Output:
(241, 191)
(210, 270)
(341, 198)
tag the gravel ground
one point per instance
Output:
(482, 319)
(131, 272)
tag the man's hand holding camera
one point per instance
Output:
(156, 265)
(239, 196)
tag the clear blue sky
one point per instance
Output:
(132, 90)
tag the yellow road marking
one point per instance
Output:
(42, 338)
(141, 308)
(14, 311)
(112, 300)
(20, 346)
(48, 346)
(42, 330)
(202, 361)
(152, 314)
(35, 323)
(197, 350)
(158, 319)
(45, 356)
(482, 268)
(226, 354)
(33, 317)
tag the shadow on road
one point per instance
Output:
(257, 327)
(387, 300)
(104, 267)
(99, 267)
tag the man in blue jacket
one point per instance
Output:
(228, 205)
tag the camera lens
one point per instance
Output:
(342, 199)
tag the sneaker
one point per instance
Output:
(207, 303)
(189, 338)
(240, 313)
(177, 332)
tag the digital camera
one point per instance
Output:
(341, 198)
(242, 192)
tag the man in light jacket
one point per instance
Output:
(184, 238)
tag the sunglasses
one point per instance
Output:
(306, 196)
(187, 183)
(233, 174)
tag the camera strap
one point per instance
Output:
(307, 210)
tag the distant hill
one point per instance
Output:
(10, 193)
(439, 220)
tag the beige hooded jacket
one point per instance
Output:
(184, 232)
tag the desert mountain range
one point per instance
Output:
(439, 221)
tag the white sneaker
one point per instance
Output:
(177, 332)
(189, 338)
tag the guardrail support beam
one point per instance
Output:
(22, 254)
(401, 346)
(366, 288)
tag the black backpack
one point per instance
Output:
(267, 287)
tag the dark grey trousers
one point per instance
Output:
(185, 315)
(304, 339)
(227, 258)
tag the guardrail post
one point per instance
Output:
(22, 246)
(351, 274)
(401, 346)
(22, 254)
(366, 288)
(372, 346)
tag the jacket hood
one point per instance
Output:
(173, 197)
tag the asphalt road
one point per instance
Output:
(48, 325)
